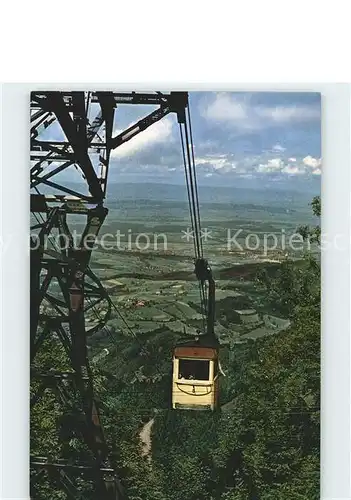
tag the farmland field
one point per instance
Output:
(145, 259)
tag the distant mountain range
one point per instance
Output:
(243, 192)
(273, 195)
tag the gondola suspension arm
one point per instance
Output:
(203, 271)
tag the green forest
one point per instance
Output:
(261, 444)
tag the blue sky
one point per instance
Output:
(236, 135)
(273, 136)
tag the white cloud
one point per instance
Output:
(292, 170)
(311, 162)
(273, 165)
(157, 133)
(278, 148)
(219, 162)
(225, 165)
(238, 111)
(317, 171)
(226, 108)
(283, 114)
(292, 166)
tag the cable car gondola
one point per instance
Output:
(195, 375)
(195, 361)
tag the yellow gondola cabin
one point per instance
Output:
(195, 377)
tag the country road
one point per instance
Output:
(145, 438)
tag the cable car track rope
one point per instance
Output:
(187, 145)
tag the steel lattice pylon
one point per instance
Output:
(63, 287)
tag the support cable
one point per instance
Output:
(192, 190)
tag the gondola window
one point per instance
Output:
(194, 369)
